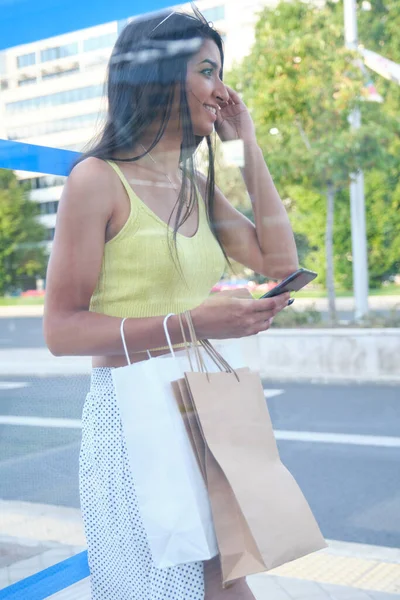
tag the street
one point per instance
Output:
(353, 489)
(21, 332)
(341, 441)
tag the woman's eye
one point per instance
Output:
(207, 72)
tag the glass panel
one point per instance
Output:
(341, 442)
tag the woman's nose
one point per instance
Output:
(221, 93)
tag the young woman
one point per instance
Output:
(140, 234)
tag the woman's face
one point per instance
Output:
(205, 90)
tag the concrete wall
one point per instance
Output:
(344, 354)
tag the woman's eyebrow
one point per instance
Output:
(211, 62)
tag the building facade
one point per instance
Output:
(52, 91)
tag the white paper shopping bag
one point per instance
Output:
(171, 492)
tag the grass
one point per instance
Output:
(6, 301)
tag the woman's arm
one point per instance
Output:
(274, 232)
(269, 247)
(88, 204)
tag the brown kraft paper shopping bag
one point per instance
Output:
(236, 426)
(235, 541)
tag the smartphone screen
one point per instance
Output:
(293, 283)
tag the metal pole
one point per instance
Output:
(357, 200)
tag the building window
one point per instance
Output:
(59, 52)
(26, 60)
(4, 84)
(26, 81)
(66, 97)
(49, 208)
(50, 234)
(56, 74)
(102, 41)
(214, 14)
(68, 124)
(38, 183)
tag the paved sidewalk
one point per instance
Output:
(39, 362)
(36, 536)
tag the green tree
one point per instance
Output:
(21, 253)
(301, 85)
(379, 31)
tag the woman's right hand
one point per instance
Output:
(224, 317)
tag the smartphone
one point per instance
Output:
(293, 283)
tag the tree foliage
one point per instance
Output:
(301, 85)
(21, 253)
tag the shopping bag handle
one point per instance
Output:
(165, 325)
(195, 344)
(209, 348)
(187, 348)
(218, 359)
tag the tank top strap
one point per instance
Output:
(124, 181)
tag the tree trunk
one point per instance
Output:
(330, 277)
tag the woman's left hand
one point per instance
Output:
(233, 120)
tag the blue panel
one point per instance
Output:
(50, 581)
(38, 159)
(24, 21)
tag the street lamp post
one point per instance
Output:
(357, 200)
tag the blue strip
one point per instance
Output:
(50, 581)
(24, 21)
(38, 159)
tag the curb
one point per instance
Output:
(34, 310)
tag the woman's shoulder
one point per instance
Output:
(94, 176)
(91, 184)
(91, 170)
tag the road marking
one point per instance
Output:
(271, 393)
(338, 438)
(13, 385)
(292, 436)
(40, 422)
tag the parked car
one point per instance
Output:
(234, 284)
(33, 294)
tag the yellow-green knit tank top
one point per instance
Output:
(140, 278)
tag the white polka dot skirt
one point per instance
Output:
(120, 561)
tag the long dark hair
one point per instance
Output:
(149, 58)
